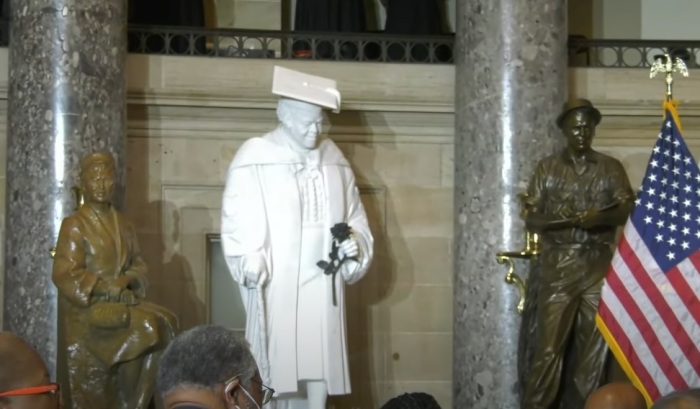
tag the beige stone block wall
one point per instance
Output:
(397, 132)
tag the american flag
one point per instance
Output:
(649, 311)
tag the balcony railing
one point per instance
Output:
(379, 47)
(629, 53)
(365, 47)
(375, 47)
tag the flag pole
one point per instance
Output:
(668, 65)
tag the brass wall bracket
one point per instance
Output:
(512, 277)
(530, 252)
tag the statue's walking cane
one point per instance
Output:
(262, 333)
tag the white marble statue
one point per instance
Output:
(284, 192)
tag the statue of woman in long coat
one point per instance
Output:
(113, 338)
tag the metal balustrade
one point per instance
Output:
(229, 43)
(374, 47)
(629, 53)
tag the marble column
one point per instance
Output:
(67, 98)
(510, 86)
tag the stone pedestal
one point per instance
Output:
(67, 98)
(510, 86)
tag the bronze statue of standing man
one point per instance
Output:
(576, 200)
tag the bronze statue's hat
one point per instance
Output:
(578, 105)
(96, 158)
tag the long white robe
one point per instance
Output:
(262, 213)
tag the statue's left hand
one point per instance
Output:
(128, 297)
(349, 248)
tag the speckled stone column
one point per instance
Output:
(510, 86)
(67, 98)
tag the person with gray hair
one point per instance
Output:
(416, 400)
(209, 367)
(687, 399)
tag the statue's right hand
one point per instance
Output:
(254, 267)
(106, 290)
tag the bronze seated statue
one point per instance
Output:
(113, 338)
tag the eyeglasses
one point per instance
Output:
(266, 390)
(52, 388)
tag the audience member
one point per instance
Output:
(687, 399)
(417, 400)
(209, 367)
(24, 379)
(616, 396)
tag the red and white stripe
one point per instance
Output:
(654, 317)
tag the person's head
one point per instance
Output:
(578, 121)
(24, 379)
(97, 177)
(416, 400)
(210, 367)
(687, 399)
(301, 122)
(616, 396)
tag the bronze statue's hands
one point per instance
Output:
(105, 290)
(349, 248)
(588, 218)
(129, 298)
(254, 267)
(113, 289)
